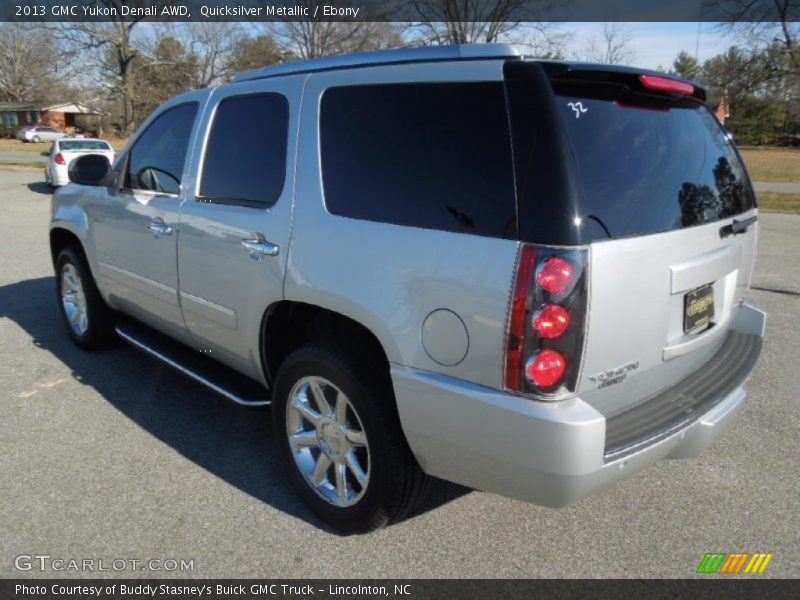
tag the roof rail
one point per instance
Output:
(385, 57)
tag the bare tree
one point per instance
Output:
(110, 49)
(612, 46)
(213, 47)
(542, 40)
(771, 24)
(312, 39)
(28, 70)
(465, 21)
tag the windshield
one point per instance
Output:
(83, 145)
(643, 170)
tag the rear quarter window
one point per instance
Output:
(431, 155)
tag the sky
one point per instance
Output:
(657, 44)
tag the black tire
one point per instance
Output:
(396, 482)
(35, 139)
(100, 318)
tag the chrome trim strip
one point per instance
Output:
(189, 373)
(218, 307)
(156, 284)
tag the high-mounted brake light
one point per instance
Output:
(665, 84)
(555, 275)
(546, 368)
(60, 159)
(551, 320)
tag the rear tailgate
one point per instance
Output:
(652, 184)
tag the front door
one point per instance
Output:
(136, 227)
(234, 238)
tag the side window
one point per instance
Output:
(156, 161)
(432, 155)
(245, 160)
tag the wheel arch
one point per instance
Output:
(60, 238)
(288, 324)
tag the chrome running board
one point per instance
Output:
(215, 376)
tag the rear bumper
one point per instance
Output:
(546, 453)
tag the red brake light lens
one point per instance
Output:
(665, 84)
(546, 368)
(551, 320)
(555, 275)
(516, 325)
(60, 159)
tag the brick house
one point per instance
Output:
(14, 115)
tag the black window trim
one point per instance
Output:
(245, 203)
(120, 180)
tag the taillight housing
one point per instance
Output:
(546, 321)
(60, 159)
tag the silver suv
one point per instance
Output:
(526, 277)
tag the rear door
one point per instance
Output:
(661, 178)
(234, 239)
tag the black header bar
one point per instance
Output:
(393, 10)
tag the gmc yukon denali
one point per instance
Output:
(526, 277)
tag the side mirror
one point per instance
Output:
(45, 153)
(90, 169)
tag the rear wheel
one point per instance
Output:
(340, 439)
(89, 321)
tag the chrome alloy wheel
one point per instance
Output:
(73, 299)
(327, 441)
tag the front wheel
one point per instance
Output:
(89, 321)
(340, 439)
(36, 139)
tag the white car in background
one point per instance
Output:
(39, 133)
(64, 151)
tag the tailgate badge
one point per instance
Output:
(612, 376)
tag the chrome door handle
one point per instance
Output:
(159, 228)
(260, 246)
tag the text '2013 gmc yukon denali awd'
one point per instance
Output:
(518, 275)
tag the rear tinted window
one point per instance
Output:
(434, 155)
(644, 170)
(83, 145)
(246, 154)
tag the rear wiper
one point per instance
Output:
(737, 226)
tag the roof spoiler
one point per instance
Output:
(638, 81)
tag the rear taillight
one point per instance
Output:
(116, 157)
(60, 159)
(546, 322)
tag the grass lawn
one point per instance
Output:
(23, 164)
(772, 164)
(775, 202)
